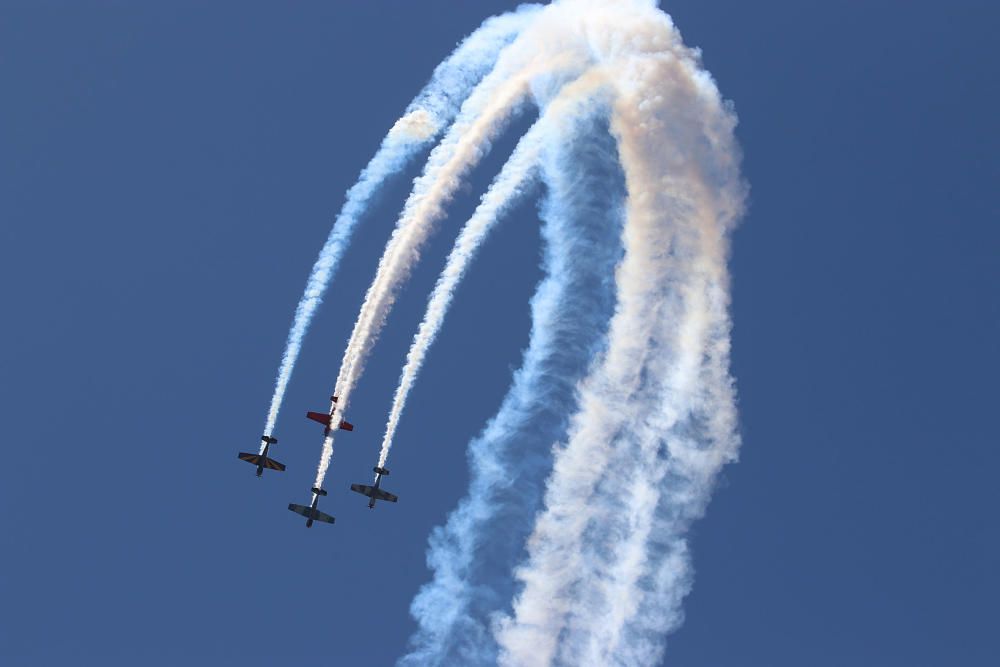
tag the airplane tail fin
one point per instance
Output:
(268, 439)
(380, 471)
(318, 492)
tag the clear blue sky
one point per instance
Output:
(168, 172)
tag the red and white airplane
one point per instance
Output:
(326, 418)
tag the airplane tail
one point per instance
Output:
(318, 492)
(380, 471)
(268, 439)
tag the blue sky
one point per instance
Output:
(168, 173)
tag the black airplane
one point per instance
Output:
(374, 492)
(261, 460)
(311, 513)
(326, 418)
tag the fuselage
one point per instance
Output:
(260, 465)
(371, 501)
(312, 512)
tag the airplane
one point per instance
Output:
(261, 460)
(311, 513)
(374, 492)
(325, 418)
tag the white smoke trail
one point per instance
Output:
(530, 61)
(657, 419)
(433, 108)
(503, 193)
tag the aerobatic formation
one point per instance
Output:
(606, 447)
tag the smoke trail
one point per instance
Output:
(473, 554)
(607, 564)
(433, 108)
(502, 194)
(526, 63)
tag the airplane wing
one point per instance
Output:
(299, 509)
(385, 495)
(273, 465)
(320, 417)
(371, 491)
(324, 517)
(250, 458)
(363, 489)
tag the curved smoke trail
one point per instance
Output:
(501, 95)
(503, 193)
(432, 109)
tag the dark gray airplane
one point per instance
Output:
(374, 492)
(261, 460)
(311, 513)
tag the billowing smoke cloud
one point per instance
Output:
(429, 113)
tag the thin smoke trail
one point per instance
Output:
(432, 109)
(407, 240)
(500, 95)
(503, 193)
